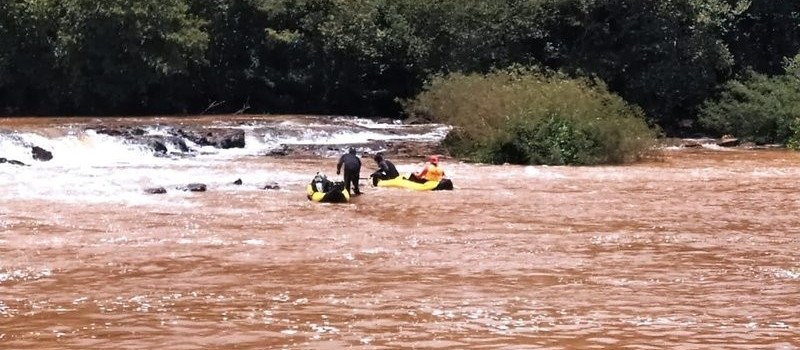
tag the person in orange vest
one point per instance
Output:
(431, 172)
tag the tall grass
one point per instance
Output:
(534, 117)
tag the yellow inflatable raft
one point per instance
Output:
(402, 182)
(337, 194)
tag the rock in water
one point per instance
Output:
(193, 187)
(41, 154)
(271, 186)
(237, 182)
(155, 190)
(219, 138)
(12, 162)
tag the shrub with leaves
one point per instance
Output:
(524, 116)
(758, 108)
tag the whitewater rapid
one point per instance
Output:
(91, 167)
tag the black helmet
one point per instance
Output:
(378, 157)
(352, 150)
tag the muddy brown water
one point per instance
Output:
(697, 251)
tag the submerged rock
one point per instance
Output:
(237, 182)
(41, 154)
(193, 187)
(271, 186)
(136, 135)
(159, 143)
(155, 190)
(12, 162)
(279, 152)
(156, 144)
(219, 138)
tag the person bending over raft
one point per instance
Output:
(320, 183)
(352, 170)
(431, 172)
(386, 170)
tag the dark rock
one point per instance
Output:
(110, 131)
(159, 143)
(231, 139)
(3, 160)
(120, 131)
(155, 190)
(193, 187)
(280, 152)
(41, 154)
(156, 144)
(14, 162)
(220, 138)
(237, 182)
(271, 186)
(178, 143)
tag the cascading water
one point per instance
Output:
(95, 167)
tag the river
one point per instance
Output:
(696, 250)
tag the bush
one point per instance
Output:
(758, 108)
(551, 140)
(534, 117)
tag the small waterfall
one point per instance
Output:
(77, 148)
(90, 165)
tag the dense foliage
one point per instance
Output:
(527, 117)
(363, 56)
(759, 108)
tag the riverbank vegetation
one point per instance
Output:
(534, 117)
(675, 60)
(759, 108)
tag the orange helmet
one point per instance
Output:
(434, 159)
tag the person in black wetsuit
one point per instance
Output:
(352, 170)
(386, 170)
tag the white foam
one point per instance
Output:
(543, 172)
(787, 274)
(253, 242)
(88, 167)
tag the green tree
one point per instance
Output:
(766, 33)
(758, 108)
(666, 56)
(26, 58)
(125, 56)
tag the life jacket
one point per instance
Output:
(434, 173)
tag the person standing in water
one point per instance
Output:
(431, 172)
(386, 170)
(352, 170)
